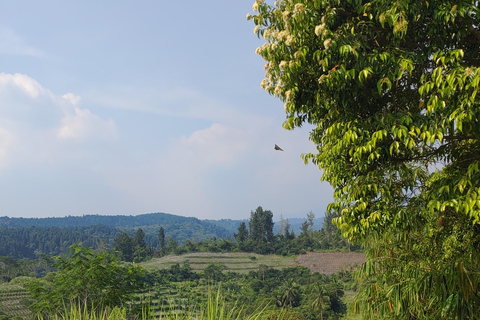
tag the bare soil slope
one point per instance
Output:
(330, 262)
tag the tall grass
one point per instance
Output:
(215, 308)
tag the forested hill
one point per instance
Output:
(21, 237)
(175, 226)
(28, 237)
(116, 221)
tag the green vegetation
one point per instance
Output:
(238, 262)
(172, 280)
(31, 237)
(92, 283)
(84, 278)
(215, 308)
(292, 289)
(258, 237)
(14, 301)
(31, 242)
(19, 239)
(391, 88)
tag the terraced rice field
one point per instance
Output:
(233, 261)
(330, 262)
(12, 300)
(13, 297)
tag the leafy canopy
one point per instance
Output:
(87, 279)
(391, 87)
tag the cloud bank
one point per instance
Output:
(35, 121)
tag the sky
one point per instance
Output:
(119, 107)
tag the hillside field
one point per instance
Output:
(13, 297)
(242, 262)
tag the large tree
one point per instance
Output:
(123, 245)
(391, 89)
(261, 225)
(242, 234)
(139, 246)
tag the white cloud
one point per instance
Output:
(34, 121)
(11, 43)
(73, 99)
(23, 82)
(83, 124)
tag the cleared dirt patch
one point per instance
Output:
(330, 262)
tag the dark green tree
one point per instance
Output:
(139, 246)
(330, 237)
(161, 241)
(261, 226)
(290, 295)
(123, 244)
(171, 245)
(289, 234)
(242, 234)
(305, 229)
(214, 272)
(139, 239)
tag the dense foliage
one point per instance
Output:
(290, 293)
(296, 290)
(91, 278)
(259, 237)
(391, 87)
(85, 278)
(30, 242)
(178, 227)
(29, 237)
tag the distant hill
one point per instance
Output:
(31, 241)
(26, 237)
(178, 227)
(16, 234)
(228, 224)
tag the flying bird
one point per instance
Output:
(278, 148)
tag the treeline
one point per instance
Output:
(174, 237)
(28, 237)
(257, 237)
(180, 228)
(30, 242)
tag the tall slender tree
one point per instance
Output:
(261, 225)
(161, 240)
(139, 246)
(242, 234)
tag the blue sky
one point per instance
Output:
(131, 107)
